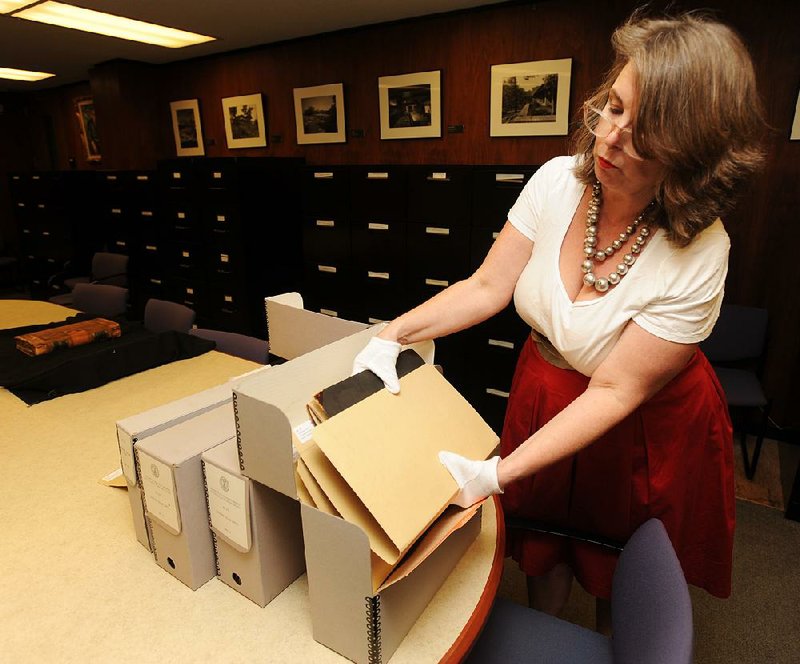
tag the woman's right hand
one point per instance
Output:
(380, 357)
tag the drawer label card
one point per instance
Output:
(437, 282)
(377, 275)
(330, 312)
(327, 268)
(181, 215)
(377, 176)
(435, 230)
(496, 393)
(374, 226)
(228, 298)
(322, 175)
(224, 258)
(220, 217)
(438, 176)
(329, 223)
(501, 344)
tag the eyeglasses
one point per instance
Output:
(601, 124)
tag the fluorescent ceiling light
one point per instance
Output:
(23, 74)
(87, 20)
(7, 6)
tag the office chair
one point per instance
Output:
(165, 316)
(232, 343)
(651, 616)
(735, 349)
(100, 299)
(107, 268)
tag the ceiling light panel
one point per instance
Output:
(8, 6)
(88, 20)
(23, 74)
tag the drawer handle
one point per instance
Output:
(151, 247)
(437, 282)
(190, 291)
(185, 254)
(217, 175)
(495, 235)
(516, 178)
(111, 178)
(330, 269)
(40, 206)
(20, 204)
(330, 312)
(377, 176)
(120, 243)
(51, 260)
(224, 258)
(147, 213)
(377, 275)
(157, 282)
(327, 223)
(323, 175)
(438, 177)
(496, 393)
(375, 226)
(375, 321)
(116, 210)
(221, 217)
(143, 178)
(26, 230)
(176, 176)
(435, 230)
(501, 344)
(181, 215)
(45, 233)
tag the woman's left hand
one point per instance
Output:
(476, 479)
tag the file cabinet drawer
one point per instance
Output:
(326, 190)
(379, 245)
(495, 190)
(378, 192)
(440, 252)
(440, 195)
(326, 239)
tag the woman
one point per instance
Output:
(617, 259)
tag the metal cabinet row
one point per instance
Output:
(378, 240)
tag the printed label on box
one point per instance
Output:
(229, 506)
(160, 497)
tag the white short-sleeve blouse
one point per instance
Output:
(674, 293)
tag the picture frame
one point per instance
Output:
(410, 105)
(319, 114)
(245, 122)
(794, 135)
(530, 98)
(187, 128)
(87, 123)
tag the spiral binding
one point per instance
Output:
(374, 628)
(148, 522)
(208, 512)
(238, 433)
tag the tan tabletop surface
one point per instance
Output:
(76, 586)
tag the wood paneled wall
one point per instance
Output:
(132, 104)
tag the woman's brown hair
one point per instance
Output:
(698, 113)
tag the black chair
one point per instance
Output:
(736, 351)
(107, 268)
(651, 616)
(100, 299)
(164, 316)
(8, 265)
(233, 343)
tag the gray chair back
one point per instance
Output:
(233, 343)
(100, 299)
(108, 268)
(165, 316)
(651, 610)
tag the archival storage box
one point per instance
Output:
(348, 585)
(257, 532)
(170, 468)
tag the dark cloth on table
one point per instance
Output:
(70, 370)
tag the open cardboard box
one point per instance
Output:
(170, 468)
(257, 531)
(348, 585)
(293, 331)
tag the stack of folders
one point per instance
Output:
(373, 461)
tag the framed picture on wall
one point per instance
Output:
(530, 98)
(245, 124)
(795, 135)
(87, 123)
(319, 114)
(411, 105)
(186, 128)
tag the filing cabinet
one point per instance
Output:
(381, 239)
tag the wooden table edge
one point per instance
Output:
(470, 632)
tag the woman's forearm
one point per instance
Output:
(460, 306)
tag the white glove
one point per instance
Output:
(380, 357)
(476, 479)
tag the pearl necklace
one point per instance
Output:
(592, 253)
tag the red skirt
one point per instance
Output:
(672, 458)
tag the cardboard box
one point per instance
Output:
(356, 610)
(148, 423)
(294, 331)
(257, 531)
(171, 473)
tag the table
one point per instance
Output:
(78, 587)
